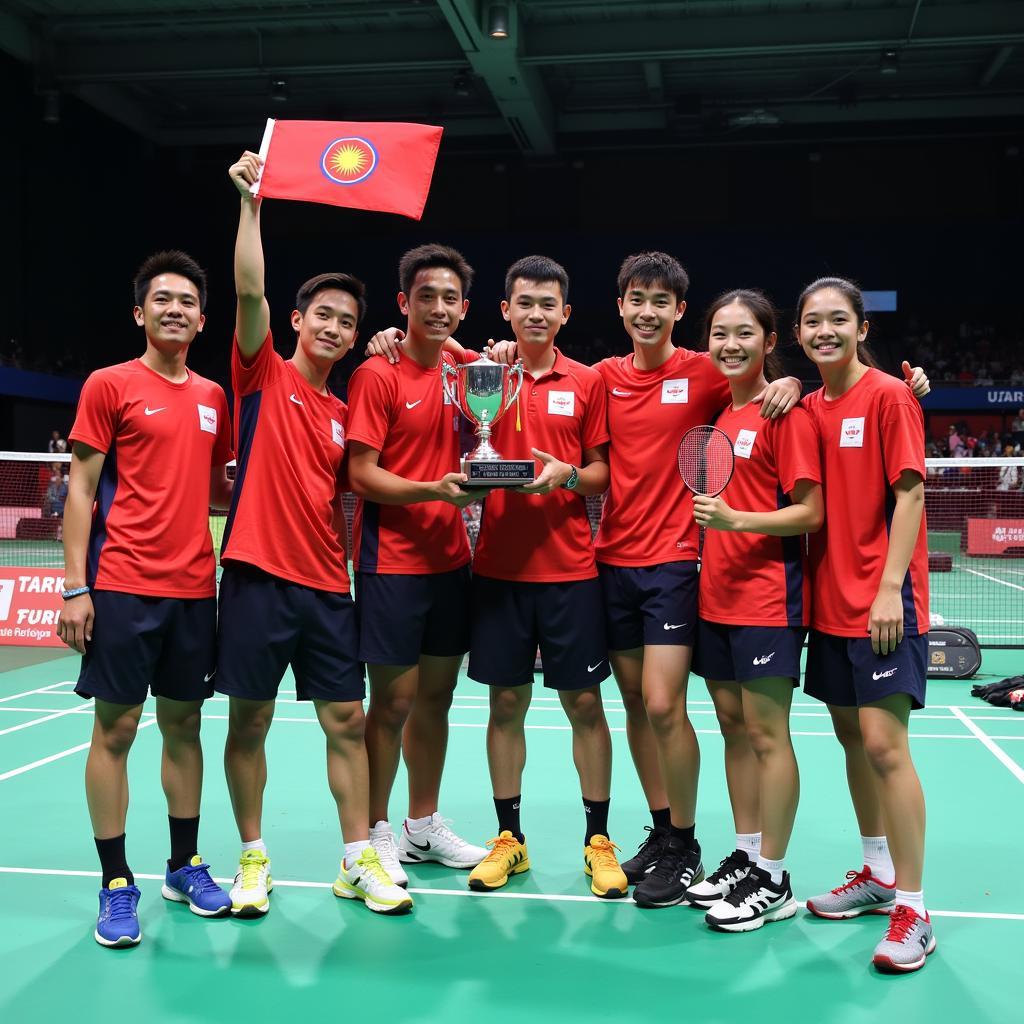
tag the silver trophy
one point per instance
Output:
(483, 392)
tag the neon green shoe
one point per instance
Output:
(368, 880)
(250, 895)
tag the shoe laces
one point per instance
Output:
(502, 846)
(603, 852)
(855, 878)
(251, 863)
(441, 827)
(670, 863)
(655, 838)
(121, 903)
(901, 921)
(199, 876)
(736, 861)
(384, 844)
(369, 861)
(749, 884)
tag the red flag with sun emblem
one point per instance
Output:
(385, 166)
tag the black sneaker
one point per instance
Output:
(754, 902)
(647, 854)
(677, 869)
(721, 881)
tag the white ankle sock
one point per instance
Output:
(353, 850)
(878, 858)
(914, 900)
(749, 843)
(418, 824)
(775, 868)
(256, 844)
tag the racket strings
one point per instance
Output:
(706, 460)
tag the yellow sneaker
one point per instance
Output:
(508, 856)
(250, 895)
(599, 861)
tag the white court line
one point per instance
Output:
(29, 693)
(39, 721)
(56, 757)
(996, 750)
(995, 579)
(469, 893)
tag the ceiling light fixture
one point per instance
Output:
(497, 21)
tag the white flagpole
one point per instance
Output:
(268, 132)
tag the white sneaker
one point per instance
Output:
(367, 880)
(439, 843)
(250, 895)
(382, 839)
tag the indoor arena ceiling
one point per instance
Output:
(572, 76)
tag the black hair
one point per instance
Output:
(424, 257)
(342, 282)
(852, 295)
(762, 310)
(538, 269)
(650, 268)
(169, 261)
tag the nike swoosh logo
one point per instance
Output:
(765, 659)
(680, 626)
(208, 677)
(151, 412)
(622, 394)
(412, 405)
(424, 847)
(294, 399)
(591, 668)
(883, 675)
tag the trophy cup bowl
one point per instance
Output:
(483, 391)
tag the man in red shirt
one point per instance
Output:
(150, 443)
(412, 558)
(284, 596)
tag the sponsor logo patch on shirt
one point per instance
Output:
(745, 443)
(851, 434)
(561, 403)
(337, 433)
(207, 419)
(675, 392)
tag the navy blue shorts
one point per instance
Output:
(845, 671)
(744, 653)
(164, 644)
(404, 616)
(653, 604)
(267, 623)
(512, 619)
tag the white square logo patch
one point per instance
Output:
(852, 433)
(745, 443)
(561, 403)
(207, 419)
(337, 433)
(675, 392)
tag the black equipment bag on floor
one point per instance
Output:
(953, 653)
(1007, 693)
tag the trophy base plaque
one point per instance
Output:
(498, 472)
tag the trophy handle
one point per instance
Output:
(516, 370)
(451, 373)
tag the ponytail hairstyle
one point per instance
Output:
(852, 295)
(763, 312)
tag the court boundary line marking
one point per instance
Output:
(30, 693)
(544, 897)
(38, 721)
(997, 751)
(994, 579)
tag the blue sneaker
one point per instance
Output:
(193, 885)
(118, 923)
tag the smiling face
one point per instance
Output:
(434, 305)
(328, 328)
(737, 342)
(829, 331)
(649, 312)
(535, 310)
(170, 312)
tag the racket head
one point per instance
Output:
(706, 460)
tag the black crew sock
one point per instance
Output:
(112, 860)
(184, 840)
(662, 817)
(597, 818)
(686, 835)
(508, 816)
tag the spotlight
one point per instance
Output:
(497, 21)
(279, 90)
(889, 63)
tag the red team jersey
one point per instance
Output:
(544, 538)
(868, 437)
(749, 578)
(648, 511)
(150, 533)
(291, 440)
(401, 410)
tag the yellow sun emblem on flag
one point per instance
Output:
(348, 161)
